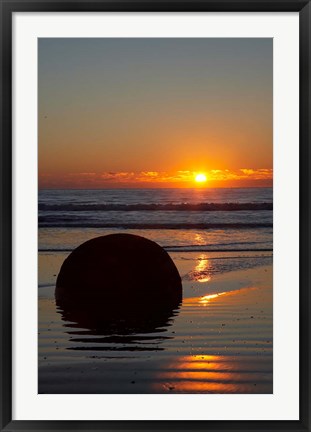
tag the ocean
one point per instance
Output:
(218, 341)
(177, 219)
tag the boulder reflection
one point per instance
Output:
(116, 329)
(119, 319)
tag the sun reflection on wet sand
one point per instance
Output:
(206, 299)
(201, 270)
(202, 374)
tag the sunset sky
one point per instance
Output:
(155, 112)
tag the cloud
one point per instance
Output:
(247, 171)
(261, 173)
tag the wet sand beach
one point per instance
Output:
(218, 341)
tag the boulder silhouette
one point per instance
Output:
(120, 277)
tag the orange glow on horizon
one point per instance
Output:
(243, 177)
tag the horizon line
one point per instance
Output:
(146, 188)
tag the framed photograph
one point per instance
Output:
(155, 215)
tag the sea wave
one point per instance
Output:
(68, 222)
(230, 206)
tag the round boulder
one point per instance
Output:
(116, 273)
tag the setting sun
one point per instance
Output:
(200, 178)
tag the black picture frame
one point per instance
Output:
(8, 7)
